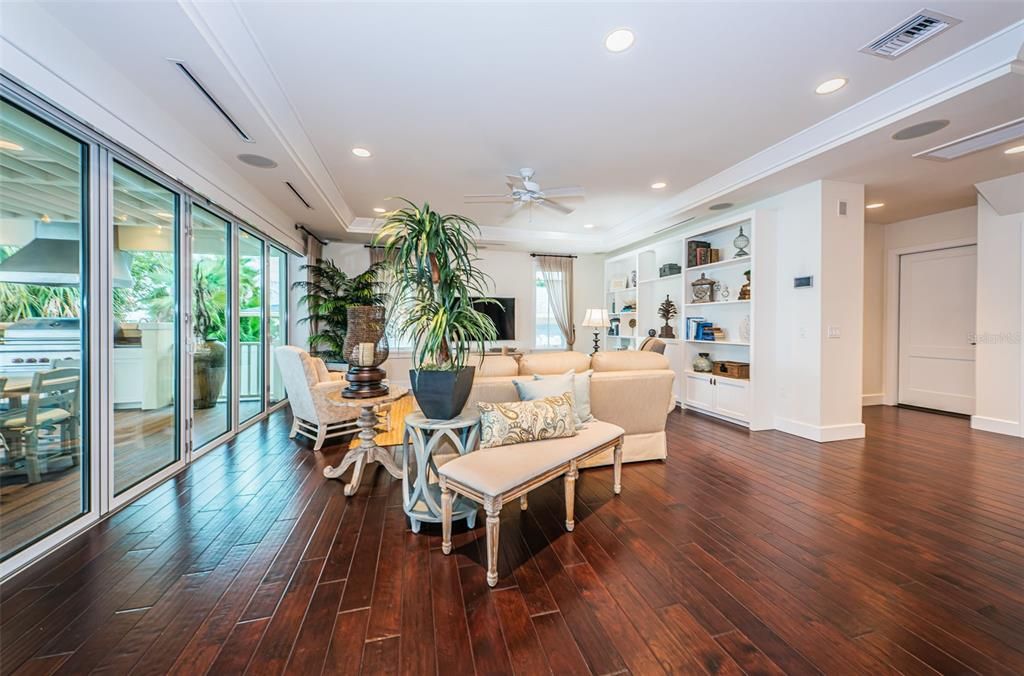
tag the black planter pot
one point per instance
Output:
(442, 394)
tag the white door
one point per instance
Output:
(936, 355)
(700, 393)
(731, 397)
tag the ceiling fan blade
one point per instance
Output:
(516, 206)
(514, 177)
(543, 201)
(567, 191)
(482, 199)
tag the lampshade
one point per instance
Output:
(596, 318)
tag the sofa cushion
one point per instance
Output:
(497, 470)
(628, 360)
(517, 422)
(493, 365)
(553, 363)
(579, 385)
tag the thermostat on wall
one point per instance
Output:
(803, 282)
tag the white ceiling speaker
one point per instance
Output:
(524, 191)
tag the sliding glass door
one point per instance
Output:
(146, 350)
(211, 328)
(277, 308)
(44, 274)
(250, 326)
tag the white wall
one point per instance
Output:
(998, 365)
(882, 243)
(874, 311)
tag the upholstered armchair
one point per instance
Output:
(308, 384)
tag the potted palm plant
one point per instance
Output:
(435, 283)
(329, 293)
(209, 357)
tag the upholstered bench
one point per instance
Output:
(496, 475)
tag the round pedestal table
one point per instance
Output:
(367, 451)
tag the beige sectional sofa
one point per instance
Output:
(630, 389)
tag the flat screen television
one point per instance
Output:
(502, 313)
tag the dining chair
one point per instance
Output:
(52, 403)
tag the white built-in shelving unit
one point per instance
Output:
(729, 398)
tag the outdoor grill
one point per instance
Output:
(35, 344)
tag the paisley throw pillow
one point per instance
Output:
(517, 422)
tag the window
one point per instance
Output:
(546, 334)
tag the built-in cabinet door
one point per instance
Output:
(731, 398)
(700, 393)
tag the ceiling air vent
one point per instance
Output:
(298, 195)
(983, 140)
(909, 34)
(184, 69)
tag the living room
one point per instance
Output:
(511, 338)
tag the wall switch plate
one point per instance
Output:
(842, 208)
(833, 332)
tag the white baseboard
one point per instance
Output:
(873, 399)
(996, 425)
(819, 433)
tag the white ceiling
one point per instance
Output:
(451, 97)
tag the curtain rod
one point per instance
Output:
(534, 255)
(303, 229)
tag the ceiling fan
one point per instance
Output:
(524, 191)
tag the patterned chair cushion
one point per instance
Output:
(518, 422)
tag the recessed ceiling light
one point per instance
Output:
(588, 225)
(829, 86)
(258, 161)
(658, 186)
(619, 40)
(380, 210)
(920, 129)
(874, 205)
(10, 145)
(45, 218)
(720, 206)
(361, 152)
(163, 214)
(1014, 150)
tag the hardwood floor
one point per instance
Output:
(756, 553)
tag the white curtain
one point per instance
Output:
(557, 273)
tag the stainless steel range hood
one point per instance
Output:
(52, 259)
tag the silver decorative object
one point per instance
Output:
(741, 243)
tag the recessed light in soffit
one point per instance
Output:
(258, 161)
(920, 129)
(982, 140)
(210, 98)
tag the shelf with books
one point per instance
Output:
(734, 343)
(720, 264)
(666, 278)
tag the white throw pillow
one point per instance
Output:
(550, 386)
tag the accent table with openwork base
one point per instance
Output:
(368, 450)
(421, 494)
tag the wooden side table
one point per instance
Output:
(420, 490)
(367, 451)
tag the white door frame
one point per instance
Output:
(891, 344)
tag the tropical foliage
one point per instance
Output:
(329, 292)
(435, 281)
(19, 301)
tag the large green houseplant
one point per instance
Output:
(329, 293)
(435, 283)
(210, 356)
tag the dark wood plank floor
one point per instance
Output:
(756, 553)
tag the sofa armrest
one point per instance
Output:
(636, 401)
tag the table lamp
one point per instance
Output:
(596, 318)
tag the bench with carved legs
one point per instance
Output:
(495, 476)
